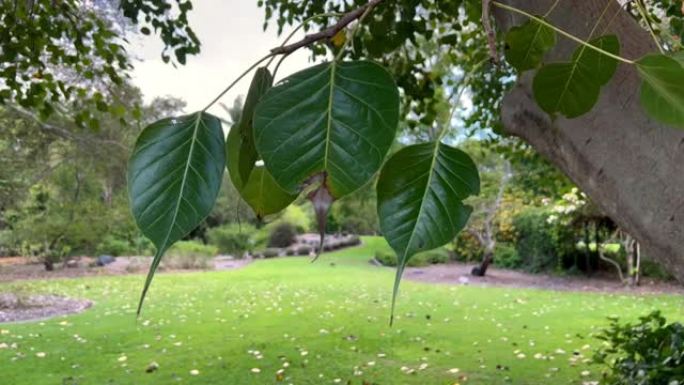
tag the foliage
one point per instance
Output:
(271, 252)
(432, 257)
(649, 352)
(535, 243)
(113, 246)
(190, 255)
(506, 256)
(234, 239)
(282, 235)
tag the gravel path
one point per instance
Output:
(15, 308)
(459, 274)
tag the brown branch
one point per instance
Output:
(491, 36)
(327, 33)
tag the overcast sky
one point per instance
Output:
(232, 39)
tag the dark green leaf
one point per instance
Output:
(573, 88)
(337, 120)
(261, 83)
(662, 90)
(527, 44)
(174, 176)
(420, 194)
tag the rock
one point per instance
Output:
(72, 263)
(152, 367)
(104, 260)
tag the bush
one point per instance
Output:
(506, 256)
(389, 258)
(535, 240)
(304, 250)
(282, 235)
(113, 246)
(650, 352)
(232, 239)
(189, 255)
(271, 252)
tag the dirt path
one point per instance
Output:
(459, 274)
(13, 269)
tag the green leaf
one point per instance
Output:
(264, 195)
(527, 44)
(573, 88)
(662, 90)
(420, 194)
(261, 192)
(248, 155)
(174, 176)
(336, 120)
(233, 147)
(602, 67)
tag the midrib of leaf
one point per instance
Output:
(655, 83)
(534, 38)
(402, 264)
(162, 248)
(575, 64)
(333, 67)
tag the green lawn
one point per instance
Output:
(323, 323)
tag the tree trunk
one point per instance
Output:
(629, 165)
(481, 270)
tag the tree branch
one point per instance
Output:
(327, 33)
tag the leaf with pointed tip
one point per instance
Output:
(334, 119)
(573, 88)
(662, 90)
(174, 176)
(420, 199)
(527, 44)
(264, 195)
(248, 155)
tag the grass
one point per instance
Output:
(322, 323)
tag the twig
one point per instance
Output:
(491, 37)
(327, 33)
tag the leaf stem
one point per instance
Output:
(247, 71)
(562, 32)
(647, 19)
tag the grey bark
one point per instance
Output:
(630, 166)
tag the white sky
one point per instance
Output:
(232, 39)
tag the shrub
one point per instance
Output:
(189, 255)
(535, 241)
(650, 352)
(389, 258)
(506, 256)
(304, 250)
(271, 252)
(282, 235)
(290, 251)
(232, 239)
(113, 246)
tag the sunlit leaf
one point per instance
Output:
(527, 44)
(174, 177)
(420, 194)
(248, 155)
(264, 195)
(662, 90)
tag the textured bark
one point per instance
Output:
(630, 166)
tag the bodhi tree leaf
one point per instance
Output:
(248, 155)
(263, 194)
(420, 194)
(573, 88)
(527, 44)
(662, 90)
(174, 176)
(330, 124)
(336, 119)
